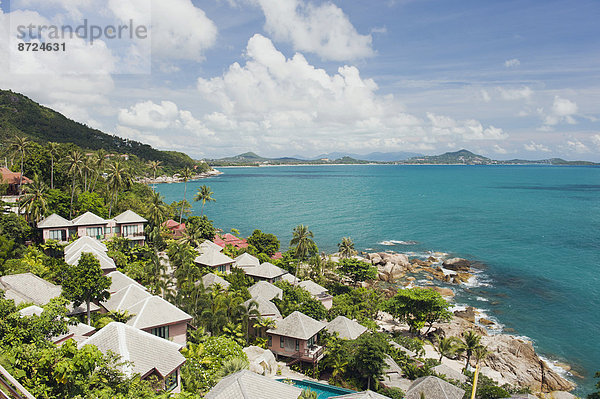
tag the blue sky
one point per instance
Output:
(507, 79)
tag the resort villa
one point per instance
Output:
(12, 179)
(128, 225)
(230, 239)
(265, 290)
(296, 337)
(215, 260)
(90, 245)
(345, 328)
(248, 385)
(318, 292)
(266, 272)
(211, 279)
(246, 260)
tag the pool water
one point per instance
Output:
(323, 391)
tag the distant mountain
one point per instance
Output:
(373, 156)
(459, 157)
(20, 115)
(252, 159)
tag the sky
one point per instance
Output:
(505, 79)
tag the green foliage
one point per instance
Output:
(392, 393)
(298, 299)
(414, 344)
(91, 202)
(361, 304)
(264, 242)
(596, 395)
(201, 228)
(58, 202)
(15, 227)
(369, 358)
(357, 270)
(486, 389)
(418, 307)
(302, 243)
(308, 394)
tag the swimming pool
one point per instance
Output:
(323, 391)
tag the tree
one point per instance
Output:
(157, 210)
(596, 395)
(471, 342)
(302, 241)
(346, 248)
(447, 347)
(118, 179)
(74, 163)
(205, 195)
(99, 163)
(246, 314)
(154, 165)
(186, 174)
(20, 145)
(418, 307)
(85, 283)
(35, 202)
(53, 152)
(357, 270)
(264, 242)
(369, 358)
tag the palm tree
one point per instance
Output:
(186, 174)
(154, 165)
(470, 343)
(264, 323)
(302, 240)
(248, 312)
(447, 347)
(233, 365)
(87, 169)
(205, 195)
(157, 210)
(74, 162)
(99, 163)
(34, 202)
(118, 179)
(346, 248)
(53, 152)
(20, 145)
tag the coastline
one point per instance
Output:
(176, 179)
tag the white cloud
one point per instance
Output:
(534, 147)
(562, 110)
(485, 96)
(512, 63)
(522, 93)
(321, 29)
(577, 146)
(499, 150)
(596, 140)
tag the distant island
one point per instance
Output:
(462, 157)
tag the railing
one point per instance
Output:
(10, 384)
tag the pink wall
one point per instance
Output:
(327, 302)
(289, 344)
(177, 332)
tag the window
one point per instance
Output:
(129, 230)
(222, 268)
(94, 231)
(281, 342)
(171, 381)
(58, 235)
(107, 230)
(162, 332)
(311, 341)
(270, 340)
(297, 345)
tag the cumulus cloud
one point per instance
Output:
(512, 63)
(485, 96)
(499, 150)
(563, 110)
(596, 140)
(321, 29)
(577, 146)
(522, 93)
(535, 147)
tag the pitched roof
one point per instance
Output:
(129, 216)
(120, 280)
(433, 387)
(298, 325)
(147, 352)
(449, 372)
(312, 287)
(290, 278)
(248, 385)
(209, 279)
(213, 259)
(83, 241)
(54, 220)
(31, 310)
(246, 260)
(155, 311)
(265, 307)
(346, 328)
(266, 270)
(266, 290)
(106, 263)
(88, 218)
(28, 287)
(125, 298)
(10, 177)
(368, 394)
(207, 246)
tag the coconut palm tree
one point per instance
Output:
(20, 146)
(118, 179)
(264, 323)
(87, 169)
(346, 248)
(447, 347)
(471, 341)
(53, 152)
(157, 210)
(99, 164)
(205, 195)
(248, 312)
(154, 165)
(74, 161)
(186, 174)
(302, 240)
(34, 203)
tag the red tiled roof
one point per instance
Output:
(170, 224)
(277, 255)
(12, 177)
(230, 239)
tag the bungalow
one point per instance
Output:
(290, 278)
(318, 292)
(215, 260)
(13, 179)
(246, 260)
(266, 271)
(128, 224)
(265, 290)
(266, 310)
(145, 354)
(433, 387)
(346, 328)
(78, 332)
(107, 264)
(150, 313)
(229, 239)
(248, 385)
(296, 337)
(85, 240)
(210, 279)
(29, 288)
(177, 229)
(208, 245)
(119, 281)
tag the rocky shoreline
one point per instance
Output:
(512, 360)
(177, 178)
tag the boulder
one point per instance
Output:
(400, 259)
(486, 322)
(468, 314)
(461, 278)
(447, 292)
(559, 395)
(262, 361)
(376, 259)
(457, 264)
(432, 259)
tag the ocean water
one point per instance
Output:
(534, 229)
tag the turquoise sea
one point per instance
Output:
(536, 230)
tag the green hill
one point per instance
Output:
(457, 157)
(21, 115)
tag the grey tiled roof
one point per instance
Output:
(120, 280)
(125, 298)
(246, 260)
(28, 287)
(54, 220)
(433, 387)
(129, 216)
(312, 287)
(290, 278)
(266, 290)
(248, 385)
(213, 259)
(362, 395)
(449, 372)
(298, 325)
(147, 352)
(265, 308)
(85, 241)
(207, 246)
(88, 219)
(155, 311)
(266, 270)
(346, 328)
(106, 263)
(209, 279)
